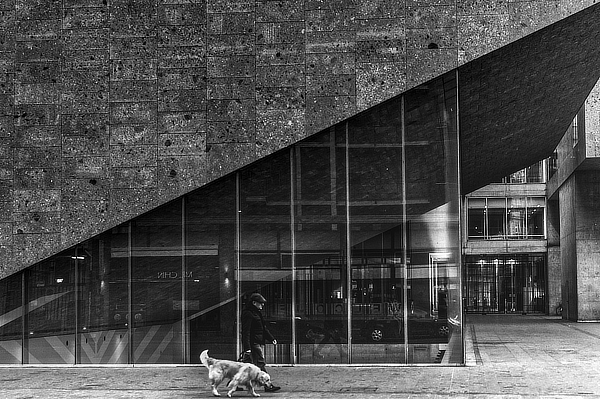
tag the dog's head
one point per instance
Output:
(263, 379)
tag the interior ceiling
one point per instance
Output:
(517, 102)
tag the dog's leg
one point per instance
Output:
(250, 386)
(215, 379)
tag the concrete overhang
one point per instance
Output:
(516, 102)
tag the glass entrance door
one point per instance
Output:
(505, 284)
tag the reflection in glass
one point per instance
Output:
(210, 276)
(321, 325)
(11, 320)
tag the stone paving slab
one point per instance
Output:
(509, 357)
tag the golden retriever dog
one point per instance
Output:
(239, 373)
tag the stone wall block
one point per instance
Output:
(133, 91)
(322, 112)
(37, 51)
(86, 167)
(37, 73)
(126, 202)
(377, 82)
(380, 9)
(234, 66)
(39, 9)
(7, 125)
(279, 10)
(36, 222)
(487, 7)
(280, 54)
(133, 134)
(281, 76)
(231, 132)
(131, 156)
(93, 125)
(188, 78)
(224, 45)
(178, 174)
(327, 19)
(182, 122)
(134, 48)
(230, 88)
(37, 178)
(75, 146)
(91, 80)
(31, 248)
(331, 42)
(434, 16)
(275, 128)
(230, 6)
(182, 57)
(32, 157)
(478, 33)
(6, 212)
(137, 113)
(6, 148)
(6, 169)
(38, 29)
(225, 158)
(331, 63)
(86, 101)
(432, 38)
(85, 39)
(526, 17)
(231, 110)
(182, 100)
(93, 189)
(86, 60)
(333, 85)
(84, 218)
(181, 14)
(191, 144)
(7, 42)
(237, 23)
(170, 36)
(36, 200)
(6, 104)
(136, 177)
(84, 18)
(280, 98)
(138, 69)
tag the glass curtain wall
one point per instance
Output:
(352, 236)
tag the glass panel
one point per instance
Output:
(432, 203)
(265, 248)
(50, 321)
(535, 173)
(476, 223)
(210, 282)
(516, 217)
(376, 215)
(320, 259)
(11, 320)
(103, 298)
(517, 177)
(535, 217)
(496, 217)
(156, 284)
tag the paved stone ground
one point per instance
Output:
(508, 357)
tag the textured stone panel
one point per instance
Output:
(435, 16)
(84, 18)
(6, 213)
(181, 173)
(74, 146)
(330, 42)
(80, 39)
(332, 63)
(133, 91)
(36, 157)
(323, 111)
(6, 169)
(133, 48)
(231, 132)
(181, 144)
(423, 65)
(131, 156)
(478, 33)
(133, 69)
(181, 14)
(182, 57)
(38, 73)
(137, 177)
(224, 6)
(85, 101)
(133, 113)
(7, 126)
(86, 167)
(239, 23)
(38, 9)
(231, 88)
(380, 9)
(182, 122)
(278, 129)
(279, 10)
(93, 189)
(77, 60)
(182, 36)
(231, 110)
(37, 178)
(432, 38)
(378, 81)
(231, 44)
(91, 80)
(132, 134)
(336, 85)
(36, 200)
(182, 100)
(268, 98)
(37, 51)
(38, 29)
(36, 222)
(326, 19)
(225, 158)
(95, 125)
(234, 66)
(280, 76)
(280, 54)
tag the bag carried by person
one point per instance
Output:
(245, 357)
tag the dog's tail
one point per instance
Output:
(205, 359)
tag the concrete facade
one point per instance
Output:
(109, 110)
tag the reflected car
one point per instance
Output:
(421, 327)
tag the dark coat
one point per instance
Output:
(254, 329)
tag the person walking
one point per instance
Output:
(255, 333)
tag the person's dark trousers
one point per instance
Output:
(258, 356)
